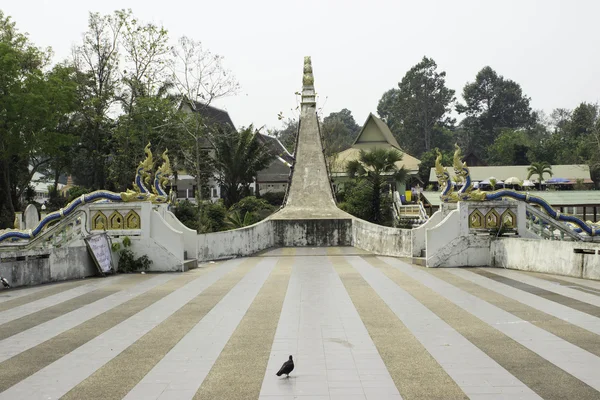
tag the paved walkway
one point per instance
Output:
(358, 326)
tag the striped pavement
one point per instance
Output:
(359, 326)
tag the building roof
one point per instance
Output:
(556, 198)
(383, 128)
(503, 172)
(212, 114)
(275, 147)
(409, 162)
(386, 139)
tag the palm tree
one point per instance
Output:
(539, 169)
(377, 166)
(238, 158)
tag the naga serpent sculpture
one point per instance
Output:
(141, 193)
(466, 193)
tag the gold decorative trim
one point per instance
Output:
(116, 220)
(99, 221)
(492, 219)
(132, 220)
(509, 219)
(476, 220)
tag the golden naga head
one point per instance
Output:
(440, 171)
(165, 169)
(459, 166)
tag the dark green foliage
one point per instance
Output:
(287, 135)
(491, 104)
(357, 199)
(339, 129)
(371, 172)
(428, 162)
(187, 213)
(511, 147)
(238, 158)
(274, 198)
(212, 217)
(204, 218)
(76, 191)
(127, 260)
(418, 111)
(258, 208)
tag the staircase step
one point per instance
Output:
(190, 263)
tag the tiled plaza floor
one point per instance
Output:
(357, 325)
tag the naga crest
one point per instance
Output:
(440, 172)
(460, 168)
(162, 176)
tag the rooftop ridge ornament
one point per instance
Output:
(308, 81)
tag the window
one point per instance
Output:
(214, 192)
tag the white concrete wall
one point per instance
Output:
(440, 236)
(236, 243)
(419, 234)
(190, 236)
(165, 245)
(381, 240)
(555, 257)
(38, 266)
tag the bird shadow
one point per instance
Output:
(287, 378)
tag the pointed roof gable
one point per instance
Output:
(381, 133)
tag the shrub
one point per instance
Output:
(187, 213)
(274, 198)
(76, 191)
(259, 209)
(212, 217)
(127, 260)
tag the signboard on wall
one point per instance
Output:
(99, 247)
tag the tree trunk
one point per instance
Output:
(198, 171)
(376, 203)
(7, 209)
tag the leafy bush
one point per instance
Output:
(187, 213)
(258, 209)
(251, 204)
(358, 202)
(274, 198)
(212, 217)
(235, 219)
(127, 260)
(76, 191)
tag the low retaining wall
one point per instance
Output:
(237, 242)
(313, 232)
(381, 240)
(577, 259)
(34, 267)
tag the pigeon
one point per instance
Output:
(7, 285)
(286, 368)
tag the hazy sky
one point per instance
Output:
(359, 49)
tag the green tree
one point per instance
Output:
(377, 167)
(287, 135)
(199, 78)
(33, 103)
(418, 110)
(539, 169)
(97, 63)
(238, 158)
(491, 103)
(511, 147)
(339, 129)
(428, 162)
